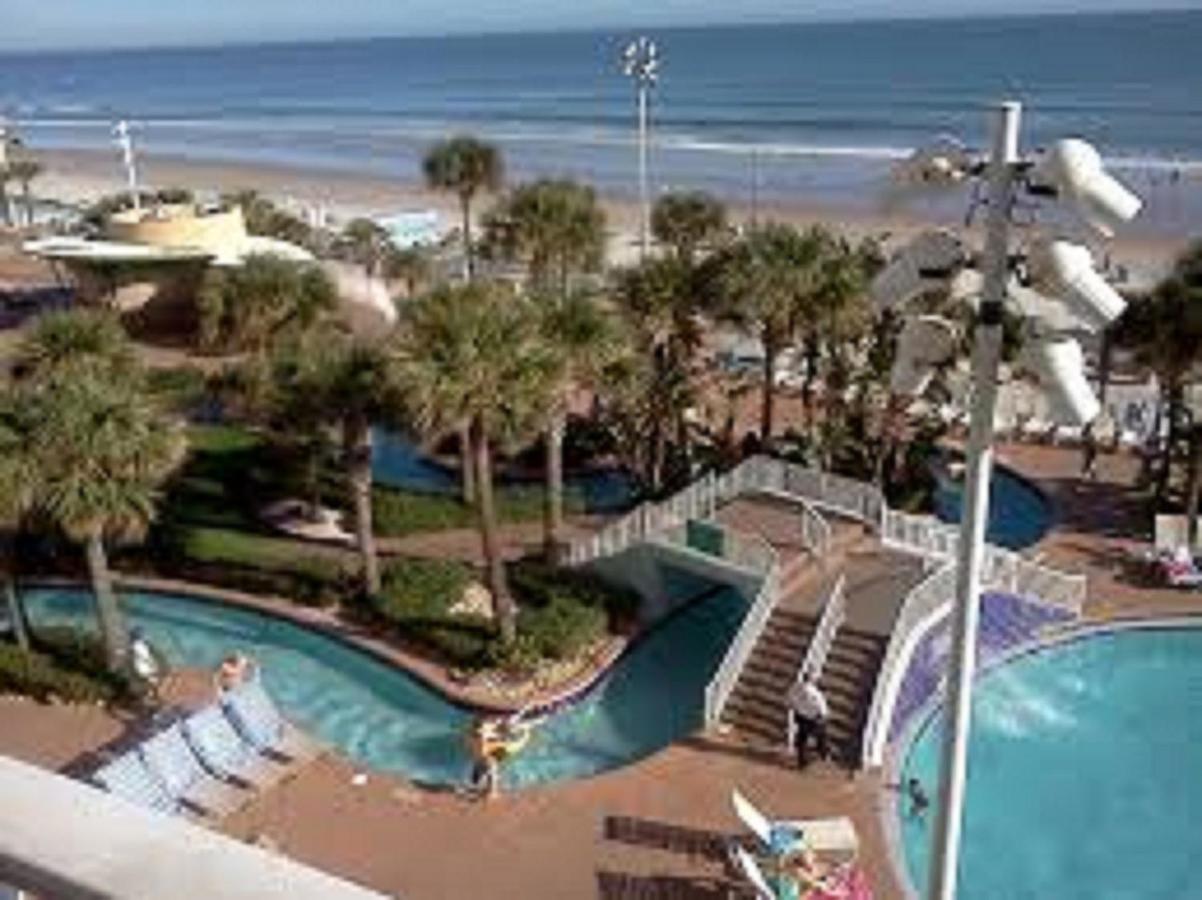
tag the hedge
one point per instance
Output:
(41, 677)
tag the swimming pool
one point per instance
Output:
(383, 718)
(1019, 513)
(397, 463)
(1083, 775)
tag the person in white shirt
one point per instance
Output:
(808, 707)
(145, 662)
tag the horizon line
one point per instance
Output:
(767, 21)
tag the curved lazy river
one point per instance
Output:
(1083, 779)
(398, 463)
(384, 718)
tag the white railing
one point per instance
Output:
(834, 613)
(920, 535)
(726, 676)
(924, 605)
(925, 536)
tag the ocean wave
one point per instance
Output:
(368, 129)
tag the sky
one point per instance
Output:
(43, 24)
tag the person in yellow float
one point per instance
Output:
(492, 740)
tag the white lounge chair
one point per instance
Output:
(833, 836)
(751, 869)
(128, 777)
(168, 756)
(1036, 429)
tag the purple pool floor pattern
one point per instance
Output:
(1006, 621)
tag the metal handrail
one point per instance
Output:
(834, 614)
(726, 676)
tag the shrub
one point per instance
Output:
(82, 653)
(539, 584)
(415, 601)
(422, 587)
(561, 628)
(38, 676)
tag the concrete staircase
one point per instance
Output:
(757, 709)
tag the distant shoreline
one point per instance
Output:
(81, 176)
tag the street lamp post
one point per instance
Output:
(640, 62)
(1058, 293)
(987, 350)
(125, 141)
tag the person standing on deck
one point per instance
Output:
(808, 707)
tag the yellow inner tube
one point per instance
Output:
(501, 747)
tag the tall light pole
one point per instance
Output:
(640, 62)
(125, 141)
(987, 352)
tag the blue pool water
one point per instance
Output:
(385, 719)
(1019, 513)
(1083, 773)
(397, 463)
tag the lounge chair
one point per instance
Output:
(751, 869)
(169, 757)
(257, 718)
(1070, 435)
(833, 837)
(1036, 429)
(128, 777)
(223, 751)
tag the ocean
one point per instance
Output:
(813, 113)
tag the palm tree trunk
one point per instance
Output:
(1193, 483)
(108, 610)
(768, 407)
(469, 259)
(12, 600)
(503, 606)
(357, 438)
(467, 477)
(553, 514)
(27, 199)
(5, 209)
(807, 386)
(1175, 398)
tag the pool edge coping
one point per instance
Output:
(899, 749)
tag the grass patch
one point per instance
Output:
(399, 513)
(210, 528)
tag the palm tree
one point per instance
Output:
(98, 448)
(1165, 331)
(409, 265)
(18, 471)
(686, 221)
(659, 301)
(584, 342)
(367, 243)
(24, 170)
(465, 166)
(326, 379)
(246, 307)
(555, 227)
(766, 282)
(472, 354)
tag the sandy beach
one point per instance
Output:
(80, 176)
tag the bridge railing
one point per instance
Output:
(726, 676)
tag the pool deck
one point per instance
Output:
(648, 830)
